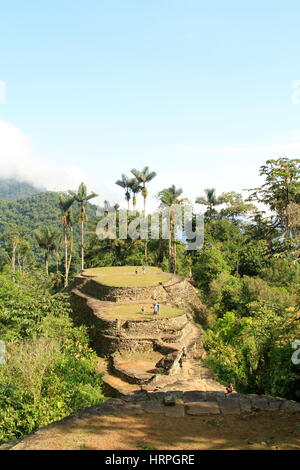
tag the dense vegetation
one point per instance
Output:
(50, 369)
(21, 218)
(247, 273)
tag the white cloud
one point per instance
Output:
(17, 159)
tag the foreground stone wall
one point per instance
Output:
(173, 405)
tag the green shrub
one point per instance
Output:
(50, 370)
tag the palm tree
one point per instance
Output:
(143, 177)
(82, 197)
(170, 197)
(107, 207)
(125, 184)
(56, 252)
(211, 200)
(47, 239)
(65, 204)
(135, 188)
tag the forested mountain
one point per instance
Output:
(12, 189)
(30, 212)
(20, 218)
(34, 211)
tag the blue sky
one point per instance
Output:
(199, 91)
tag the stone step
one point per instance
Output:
(137, 372)
(115, 386)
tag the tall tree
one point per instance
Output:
(281, 192)
(135, 188)
(47, 239)
(210, 201)
(170, 197)
(56, 252)
(65, 204)
(11, 240)
(23, 254)
(144, 177)
(124, 183)
(235, 205)
(82, 197)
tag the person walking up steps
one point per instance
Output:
(155, 309)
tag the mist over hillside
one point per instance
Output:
(12, 189)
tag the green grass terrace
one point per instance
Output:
(133, 312)
(125, 276)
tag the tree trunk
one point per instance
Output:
(146, 241)
(47, 263)
(174, 256)
(172, 243)
(19, 264)
(66, 256)
(70, 257)
(82, 246)
(13, 257)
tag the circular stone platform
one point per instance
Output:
(133, 311)
(125, 276)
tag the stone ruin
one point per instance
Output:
(144, 354)
(166, 376)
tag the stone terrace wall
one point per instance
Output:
(108, 337)
(103, 333)
(185, 296)
(180, 294)
(155, 326)
(121, 294)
